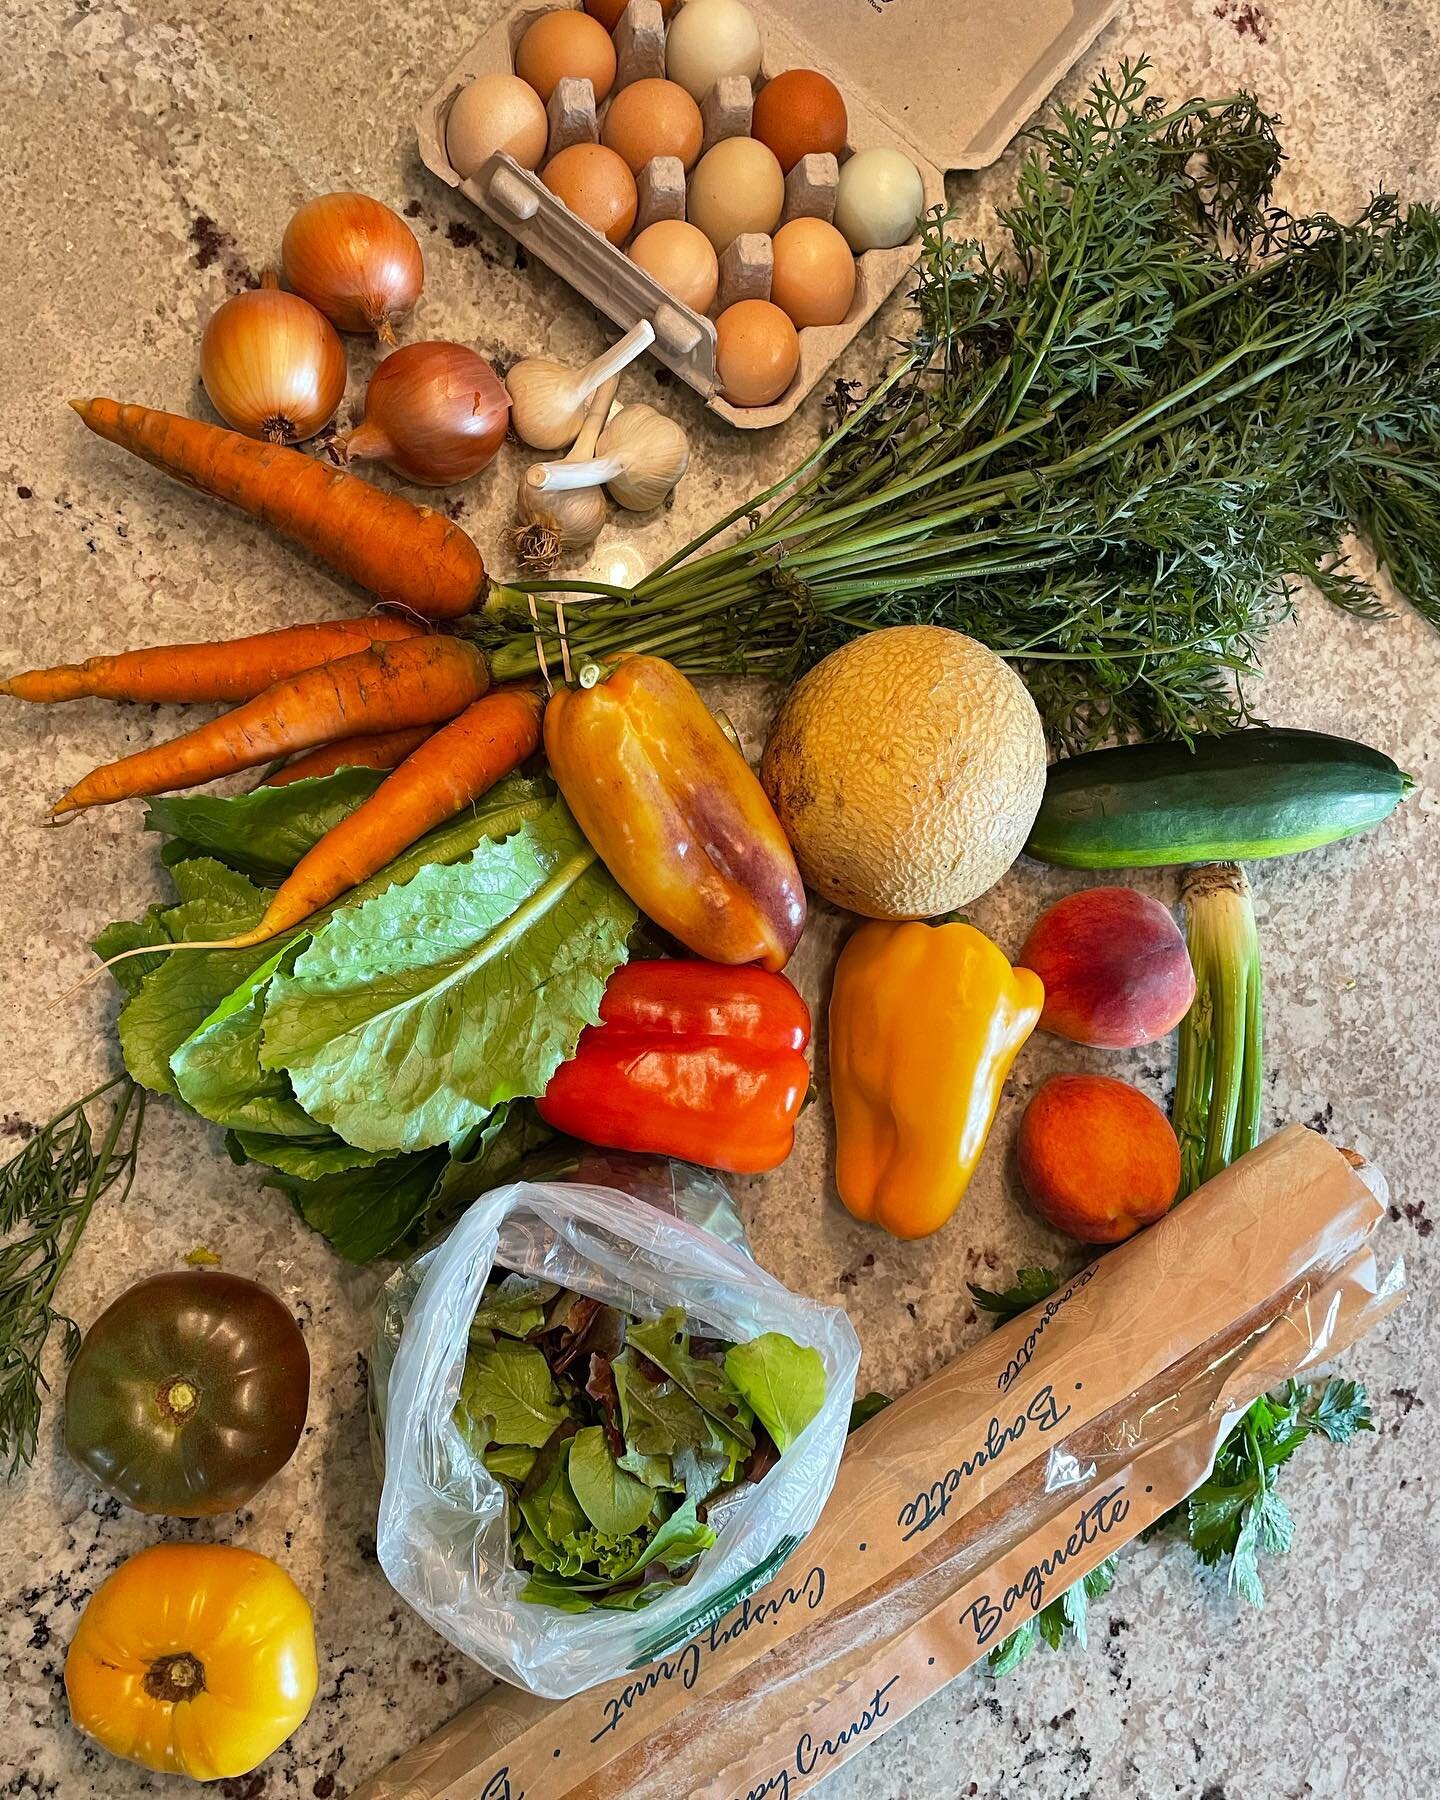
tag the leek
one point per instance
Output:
(1218, 1077)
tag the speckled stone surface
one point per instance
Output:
(153, 154)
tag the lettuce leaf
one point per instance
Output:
(132, 934)
(510, 1385)
(782, 1380)
(615, 1502)
(408, 1018)
(175, 996)
(659, 1419)
(370, 1205)
(217, 1069)
(366, 1212)
(511, 1462)
(264, 833)
(306, 1159)
(514, 1307)
(678, 1541)
(665, 1342)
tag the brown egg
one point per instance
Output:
(756, 352)
(736, 187)
(495, 112)
(597, 187)
(608, 11)
(797, 114)
(682, 259)
(653, 118)
(814, 277)
(566, 43)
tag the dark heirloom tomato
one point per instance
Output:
(188, 1393)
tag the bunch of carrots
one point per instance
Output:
(384, 692)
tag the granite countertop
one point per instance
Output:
(157, 152)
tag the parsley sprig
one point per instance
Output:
(1237, 1512)
(1031, 1286)
(1068, 1614)
(1235, 1516)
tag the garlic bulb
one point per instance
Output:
(563, 503)
(548, 400)
(652, 453)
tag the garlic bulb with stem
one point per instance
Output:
(640, 455)
(563, 507)
(549, 400)
(652, 453)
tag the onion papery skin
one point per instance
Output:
(435, 413)
(356, 260)
(272, 366)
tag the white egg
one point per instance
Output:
(879, 200)
(708, 39)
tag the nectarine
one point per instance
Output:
(1115, 968)
(1098, 1159)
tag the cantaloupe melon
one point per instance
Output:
(907, 769)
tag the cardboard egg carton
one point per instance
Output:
(948, 82)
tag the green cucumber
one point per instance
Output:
(1232, 798)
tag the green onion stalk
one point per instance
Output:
(1218, 1077)
(1106, 449)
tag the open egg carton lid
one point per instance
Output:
(950, 81)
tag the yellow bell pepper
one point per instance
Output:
(193, 1659)
(925, 1022)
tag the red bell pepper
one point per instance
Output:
(691, 1059)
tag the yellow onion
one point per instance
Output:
(356, 260)
(272, 366)
(434, 413)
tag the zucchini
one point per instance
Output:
(1232, 798)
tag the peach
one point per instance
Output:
(1098, 1159)
(1115, 968)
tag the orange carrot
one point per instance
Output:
(449, 771)
(416, 682)
(410, 555)
(172, 674)
(381, 751)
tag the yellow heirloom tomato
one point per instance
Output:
(193, 1659)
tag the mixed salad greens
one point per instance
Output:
(618, 1440)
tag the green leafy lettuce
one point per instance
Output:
(614, 1501)
(509, 1386)
(407, 1019)
(782, 1382)
(370, 1205)
(195, 1026)
(177, 992)
(264, 833)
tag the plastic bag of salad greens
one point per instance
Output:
(602, 1429)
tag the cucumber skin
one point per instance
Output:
(1234, 798)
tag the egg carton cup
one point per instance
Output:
(1045, 38)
